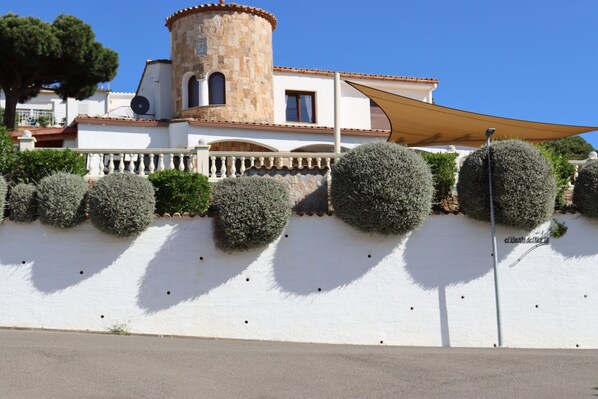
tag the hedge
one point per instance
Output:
(61, 199)
(585, 193)
(3, 191)
(562, 171)
(33, 166)
(249, 212)
(22, 203)
(177, 191)
(524, 187)
(382, 187)
(122, 204)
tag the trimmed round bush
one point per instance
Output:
(381, 187)
(122, 204)
(177, 191)
(22, 203)
(61, 199)
(585, 193)
(3, 190)
(523, 185)
(250, 212)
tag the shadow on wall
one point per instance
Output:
(188, 266)
(305, 264)
(60, 258)
(580, 239)
(451, 250)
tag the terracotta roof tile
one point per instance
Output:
(220, 7)
(355, 75)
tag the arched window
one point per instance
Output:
(216, 88)
(193, 92)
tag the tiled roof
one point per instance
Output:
(349, 75)
(220, 7)
(96, 120)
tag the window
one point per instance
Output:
(216, 88)
(193, 92)
(301, 107)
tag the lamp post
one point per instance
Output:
(489, 133)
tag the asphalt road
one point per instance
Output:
(72, 365)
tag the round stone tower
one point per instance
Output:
(222, 63)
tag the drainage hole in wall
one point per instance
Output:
(247, 279)
(381, 342)
(23, 262)
(81, 272)
(537, 306)
(246, 322)
(462, 296)
(101, 316)
(577, 345)
(167, 292)
(369, 256)
(286, 236)
(411, 308)
(201, 258)
(319, 290)
(494, 345)
(585, 296)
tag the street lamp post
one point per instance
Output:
(489, 133)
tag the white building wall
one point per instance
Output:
(325, 282)
(92, 136)
(156, 86)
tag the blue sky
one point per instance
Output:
(530, 59)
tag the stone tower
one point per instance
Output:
(222, 63)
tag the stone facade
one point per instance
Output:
(237, 44)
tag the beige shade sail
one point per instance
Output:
(416, 123)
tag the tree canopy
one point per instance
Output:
(574, 147)
(63, 56)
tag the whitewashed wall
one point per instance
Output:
(325, 282)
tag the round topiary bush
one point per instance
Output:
(61, 199)
(250, 212)
(22, 203)
(382, 187)
(3, 190)
(585, 193)
(177, 191)
(122, 204)
(524, 187)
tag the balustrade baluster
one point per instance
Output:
(271, 159)
(328, 163)
(233, 167)
(252, 162)
(121, 163)
(242, 171)
(161, 162)
(192, 163)
(280, 162)
(152, 166)
(213, 167)
(261, 162)
(309, 162)
(182, 162)
(223, 168)
(131, 163)
(101, 165)
(171, 163)
(300, 163)
(111, 164)
(141, 165)
(319, 160)
(290, 163)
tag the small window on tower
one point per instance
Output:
(193, 92)
(300, 107)
(217, 88)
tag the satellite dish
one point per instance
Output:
(140, 105)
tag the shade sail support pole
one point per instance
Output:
(489, 133)
(337, 113)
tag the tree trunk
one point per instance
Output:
(10, 112)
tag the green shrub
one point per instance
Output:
(177, 191)
(524, 187)
(122, 204)
(3, 190)
(250, 212)
(585, 193)
(44, 120)
(61, 199)
(562, 171)
(33, 166)
(443, 168)
(7, 152)
(573, 147)
(22, 203)
(382, 187)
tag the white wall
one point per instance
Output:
(156, 86)
(114, 136)
(325, 282)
